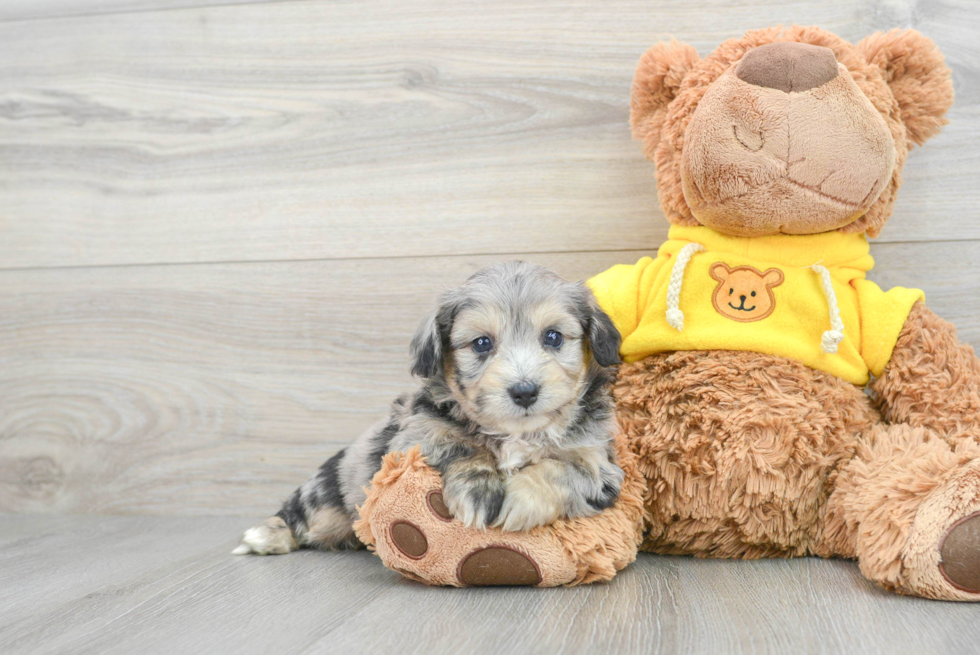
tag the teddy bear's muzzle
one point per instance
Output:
(785, 142)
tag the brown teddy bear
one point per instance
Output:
(774, 402)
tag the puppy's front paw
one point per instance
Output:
(474, 500)
(528, 504)
(271, 537)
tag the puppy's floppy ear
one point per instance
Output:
(601, 332)
(917, 75)
(431, 339)
(656, 82)
(426, 348)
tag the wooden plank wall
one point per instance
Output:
(220, 223)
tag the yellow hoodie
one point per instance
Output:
(801, 297)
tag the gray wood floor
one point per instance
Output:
(168, 585)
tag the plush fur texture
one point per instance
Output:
(737, 448)
(932, 380)
(893, 504)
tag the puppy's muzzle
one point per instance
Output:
(524, 393)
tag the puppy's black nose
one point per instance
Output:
(524, 393)
(742, 298)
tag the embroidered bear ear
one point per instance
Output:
(772, 277)
(656, 82)
(916, 72)
(719, 271)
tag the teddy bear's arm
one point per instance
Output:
(932, 379)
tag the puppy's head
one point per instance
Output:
(516, 345)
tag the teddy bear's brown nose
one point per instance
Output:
(788, 66)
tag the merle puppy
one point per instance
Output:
(513, 410)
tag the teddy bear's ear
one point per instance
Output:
(917, 75)
(657, 79)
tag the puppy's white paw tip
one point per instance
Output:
(269, 538)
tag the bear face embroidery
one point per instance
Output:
(743, 293)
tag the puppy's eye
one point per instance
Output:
(482, 345)
(553, 339)
(731, 291)
(753, 294)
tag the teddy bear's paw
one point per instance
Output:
(433, 547)
(497, 564)
(941, 558)
(407, 521)
(960, 554)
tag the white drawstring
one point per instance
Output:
(675, 317)
(831, 338)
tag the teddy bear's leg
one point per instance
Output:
(406, 522)
(907, 506)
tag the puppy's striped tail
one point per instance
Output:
(312, 517)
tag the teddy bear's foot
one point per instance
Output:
(493, 559)
(498, 564)
(908, 507)
(406, 522)
(960, 554)
(942, 556)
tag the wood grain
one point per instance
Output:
(21, 10)
(165, 585)
(321, 129)
(216, 389)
